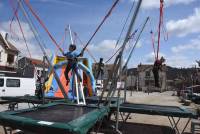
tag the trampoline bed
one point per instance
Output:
(54, 118)
(157, 110)
(169, 111)
(95, 100)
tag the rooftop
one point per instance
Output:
(6, 44)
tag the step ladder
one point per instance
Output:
(195, 126)
(80, 97)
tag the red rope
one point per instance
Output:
(164, 31)
(42, 24)
(153, 43)
(102, 22)
(16, 11)
(160, 24)
(21, 29)
(62, 40)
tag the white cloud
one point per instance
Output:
(150, 58)
(107, 48)
(16, 38)
(175, 60)
(150, 4)
(194, 45)
(181, 54)
(103, 49)
(16, 29)
(104, 46)
(132, 42)
(65, 2)
(179, 61)
(139, 44)
(185, 26)
(34, 49)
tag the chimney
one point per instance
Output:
(6, 36)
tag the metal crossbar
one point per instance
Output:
(174, 124)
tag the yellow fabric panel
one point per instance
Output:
(48, 84)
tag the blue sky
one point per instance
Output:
(181, 19)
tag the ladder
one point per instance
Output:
(80, 97)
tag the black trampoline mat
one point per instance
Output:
(95, 99)
(153, 107)
(57, 113)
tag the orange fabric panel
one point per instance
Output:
(89, 87)
(63, 81)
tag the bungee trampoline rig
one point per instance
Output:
(65, 117)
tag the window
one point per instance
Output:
(10, 58)
(147, 73)
(38, 72)
(147, 83)
(0, 55)
(1, 82)
(12, 83)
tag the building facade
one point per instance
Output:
(131, 80)
(31, 67)
(8, 54)
(139, 79)
(146, 78)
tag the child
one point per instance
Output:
(156, 67)
(72, 62)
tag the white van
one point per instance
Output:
(17, 86)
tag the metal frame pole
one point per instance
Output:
(70, 33)
(118, 97)
(125, 85)
(44, 77)
(115, 69)
(33, 29)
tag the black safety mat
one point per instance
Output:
(153, 107)
(57, 113)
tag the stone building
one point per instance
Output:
(131, 81)
(146, 78)
(31, 67)
(8, 54)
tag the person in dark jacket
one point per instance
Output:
(100, 69)
(156, 68)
